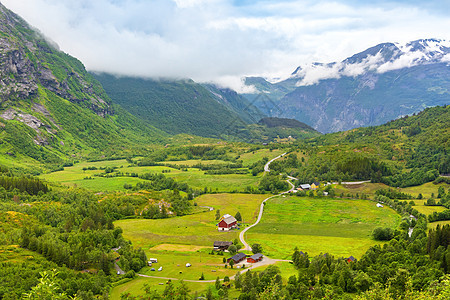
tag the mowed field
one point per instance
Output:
(318, 225)
(195, 178)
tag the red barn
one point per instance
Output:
(255, 258)
(227, 222)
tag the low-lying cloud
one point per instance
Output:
(220, 41)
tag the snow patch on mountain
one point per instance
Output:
(379, 59)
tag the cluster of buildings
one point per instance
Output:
(238, 257)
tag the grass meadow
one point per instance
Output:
(187, 239)
(252, 157)
(196, 229)
(370, 188)
(317, 225)
(195, 178)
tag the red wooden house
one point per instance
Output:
(255, 258)
(226, 223)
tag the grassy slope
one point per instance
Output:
(172, 106)
(197, 229)
(193, 177)
(319, 225)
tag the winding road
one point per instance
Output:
(266, 260)
(261, 208)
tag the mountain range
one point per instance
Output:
(372, 87)
(53, 111)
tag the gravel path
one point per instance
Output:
(261, 208)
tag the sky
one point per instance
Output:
(222, 41)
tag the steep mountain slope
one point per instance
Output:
(51, 108)
(181, 106)
(236, 103)
(184, 106)
(372, 87)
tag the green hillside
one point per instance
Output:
(181, 106)
(52, 110)
(404, 152)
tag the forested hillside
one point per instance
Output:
(405, 152)
(181, 106)
(51, 109)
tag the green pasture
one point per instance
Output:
(363, 188)
(425, 189)
(252, 157)
(174, 264)
(370, 188)
(195, 178)
(137, 287)
(424, 209)
(435, 224)
(246, 204)
(317, 225)
(193, 162)
(196, 229)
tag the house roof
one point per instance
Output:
(305, 186)
(351, 258)
(222, 244)
(238, 256)
(256, 256)
(229, 219)
(316, 183)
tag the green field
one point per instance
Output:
(319, 225)
(195, 178)
(188, 239)
(137, 287)
(252, 157)
(424, 209)
(425, 189)
(441, 223)
(196, 229)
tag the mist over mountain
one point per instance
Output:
(377, 85)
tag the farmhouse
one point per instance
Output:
(227, 222)
(305, 187)
(255, 258)
(315, 185)
(222, 246)
(351, 259)
(237, 258)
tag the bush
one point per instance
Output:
(383, 234)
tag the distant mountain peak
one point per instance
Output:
(380, 58)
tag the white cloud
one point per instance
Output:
(215, 40)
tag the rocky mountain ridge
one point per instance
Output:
(51, 108)
(377, 85)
